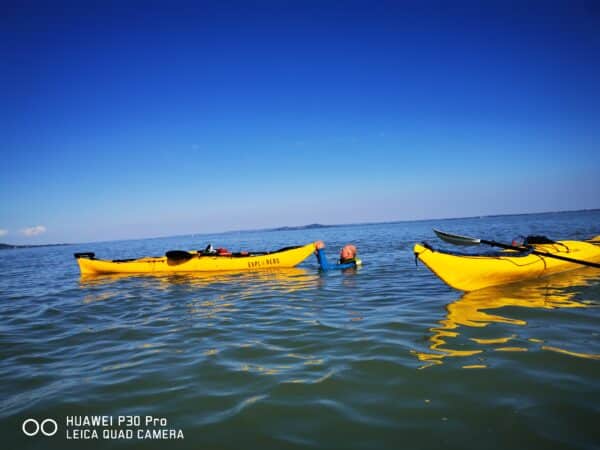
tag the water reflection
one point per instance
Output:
(220, 311)
(211, 292)
(287, 279)
(474, 310)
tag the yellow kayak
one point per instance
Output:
(194, 261)
(472, 272)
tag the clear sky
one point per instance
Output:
(138, 119)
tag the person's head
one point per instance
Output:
(348, 252)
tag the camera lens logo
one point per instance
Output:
(32, 427)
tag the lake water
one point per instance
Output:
(384, 357)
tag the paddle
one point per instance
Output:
(457, 239)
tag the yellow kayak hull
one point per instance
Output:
(469, 273)
(198, 263)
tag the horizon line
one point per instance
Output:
(299, 227)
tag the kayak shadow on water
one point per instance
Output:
(472, 310)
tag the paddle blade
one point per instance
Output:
(456, 239)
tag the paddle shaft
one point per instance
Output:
(538, 253)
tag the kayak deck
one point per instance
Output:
(197, 262)
(473, 272)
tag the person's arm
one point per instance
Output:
(322, 258)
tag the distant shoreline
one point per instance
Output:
(316, 225)
(10, 246)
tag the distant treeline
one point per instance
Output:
(7, 246)
(301, 227)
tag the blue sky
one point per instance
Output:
(139, 119)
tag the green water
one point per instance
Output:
(385, 357)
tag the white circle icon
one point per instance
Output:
(48, 427)
(35, 423)
(43, 427)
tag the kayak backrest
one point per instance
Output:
(88, 255)
(530, 240)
